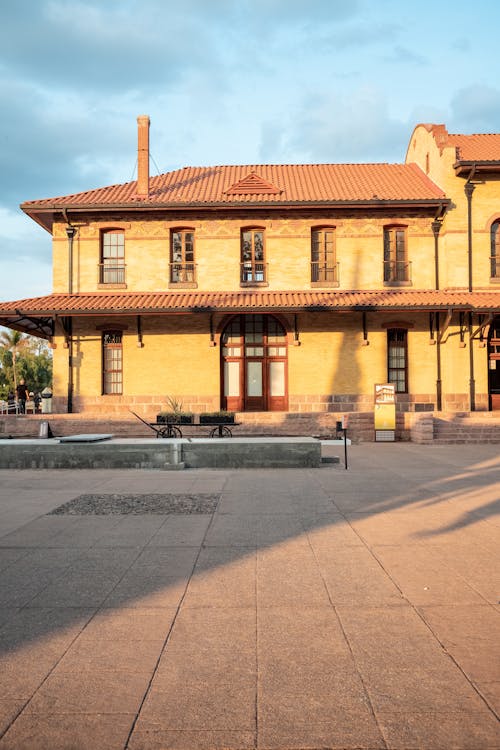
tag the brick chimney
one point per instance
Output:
(143, 156)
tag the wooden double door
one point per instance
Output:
(254, 364)
(494, 364)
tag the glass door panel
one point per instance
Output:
(254, 379)
(276, 379)
(231, 379)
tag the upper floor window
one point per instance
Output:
(397, 358)
(324, 269)
(495, 251)
(112, 362)
(396, 265)
(253, 269)
(112, 264)
(182, 265)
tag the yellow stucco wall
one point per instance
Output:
(359, 250)
(423, 150)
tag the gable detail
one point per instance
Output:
(253, 183)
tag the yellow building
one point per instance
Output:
(278, 288)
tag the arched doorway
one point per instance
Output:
(254, 364)
(494, 364)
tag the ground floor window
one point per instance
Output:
(397, 358)
(254, 364)
(112, 362)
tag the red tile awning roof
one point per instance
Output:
(28, 314)
(234, 186)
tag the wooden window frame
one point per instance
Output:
(396, 267)
(390, 367)
(182, 272)
(324, 273)
(117, 270)
(495, 252)
(253, 272)
(114, 346)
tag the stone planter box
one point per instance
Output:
(214, 419)
(175, 418)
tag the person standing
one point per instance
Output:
(22, 395)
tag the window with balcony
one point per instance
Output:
(495, 251)
(112, 363)
(397, 358)
(324, 269)
(182, 265)
(396, 266)
(112, 265)
(253, 269)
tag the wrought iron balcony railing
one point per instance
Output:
(253, 272)
(112, 273)
(182, 273)
(397, 271)
(321, 273)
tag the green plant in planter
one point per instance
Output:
(217, 417)
(174, 414)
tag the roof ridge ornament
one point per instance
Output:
(252, 183)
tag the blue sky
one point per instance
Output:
(224, 81)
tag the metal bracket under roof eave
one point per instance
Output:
(445, 325)
(42, 327)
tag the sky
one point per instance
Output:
(224, 82)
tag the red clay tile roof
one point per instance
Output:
(282, 183)
(475, 147)
(478, 147)
(189, 301)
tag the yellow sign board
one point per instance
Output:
(385, 416)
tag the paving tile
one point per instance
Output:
(370, 585)
(134, 624)
(147, 587)
(203, 644)
(340, 729)
(103, 654)
(181, 531)
(9, 710)
(491, 692)
(330, 530)
(144, 739)
(169, 560)
(464, 730)
(228, 530)
(77, 589)
(471, 634)
(423, 579)
(131, 531)
(189, 705)
(40, 627)
(288, 575)
(90, 692)
(223, 577)
(68, 732)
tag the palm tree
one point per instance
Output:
(13, 342)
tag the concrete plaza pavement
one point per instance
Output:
(315, 608)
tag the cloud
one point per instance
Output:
(348, 128)
(476, 109)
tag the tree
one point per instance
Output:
(23, 356)
(13, 342)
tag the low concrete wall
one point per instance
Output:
(232, 453)
(51, 454)
(161, 454)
